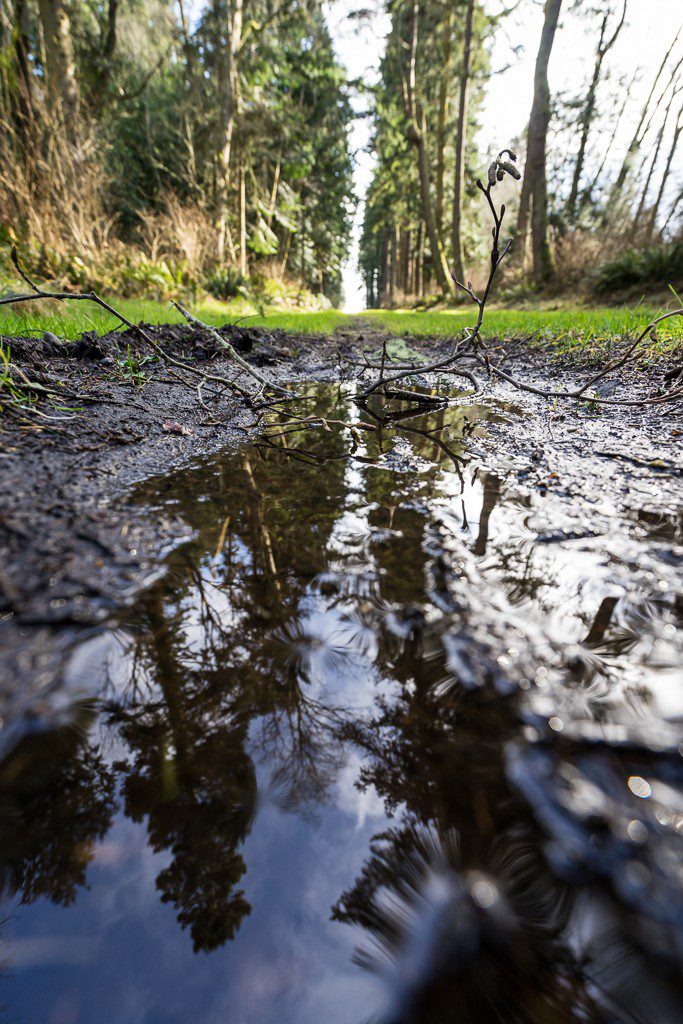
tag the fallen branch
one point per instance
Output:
(91, 296)
(471, 343)
(232, 352)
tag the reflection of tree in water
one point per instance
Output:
(457, 900)
(52, 816)
(206, 699)
(234, 660)
(206, 693)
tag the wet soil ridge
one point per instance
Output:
(428, 672)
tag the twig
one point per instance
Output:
(580, 392)
(91, 296)
(230, 349)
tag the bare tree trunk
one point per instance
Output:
(98, 94)
(417, 134)
(229, 106)
(637, 139)
(419, 261)
(588, 112)
(443, 117)
(587, 193)
(653, 163)
(654, 212)
(533, 209)
(461, 135)
(392, 264)
(408, 268)
(242, 182)
(59, 55)
(405, 261)
(274, 190)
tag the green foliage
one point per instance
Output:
(131, 366)
(143, 221)
(9, 389)
(659, 266)
(226, 283)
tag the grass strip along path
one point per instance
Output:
(570, 331)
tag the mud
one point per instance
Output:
(408, 700)
(74, 551)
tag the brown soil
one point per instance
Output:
(73, 551)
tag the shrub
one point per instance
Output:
(662, 266)
(226, 283)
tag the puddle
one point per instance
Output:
(393, 740)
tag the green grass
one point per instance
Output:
(69, 320)
(572, 331)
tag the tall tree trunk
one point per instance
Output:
(23, 97)
(99, 93)
(653, 164)
(460, 139)
(654, 212)
(59, 55)
(273, 192)
(533, 207)
(637, 138)
(392, 264)
(417, 134)
(408, 267)
(588, 111)
(589, 190)
(242, 184)
(229, 105)
(443, 116)
(419, 261)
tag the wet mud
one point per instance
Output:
(393, 734)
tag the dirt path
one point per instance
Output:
(73, 552)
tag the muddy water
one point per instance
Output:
(395, 739)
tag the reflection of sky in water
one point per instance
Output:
(288, 954)
(333, 635)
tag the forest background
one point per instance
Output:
(207, 150)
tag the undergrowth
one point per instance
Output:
(129, 273)
(659, 266)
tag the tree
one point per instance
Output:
(588, 110)
(229, 44)
(59, 56)
(654, 212)
(641, 128)
(532, 219)
(416, 133)
(461, 131)
(426, 112)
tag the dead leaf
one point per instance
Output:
(176, 428)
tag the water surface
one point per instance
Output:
(394, 739)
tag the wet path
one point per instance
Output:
(393, 739)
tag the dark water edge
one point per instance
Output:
(392, 740)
